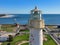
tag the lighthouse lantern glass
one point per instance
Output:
(35, 14)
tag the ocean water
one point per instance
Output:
(50, 19)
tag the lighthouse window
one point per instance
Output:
(36, 12)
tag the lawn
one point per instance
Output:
(25, 44)
(26, 30)
(8, 28)
(24, 37)
(50, 41)
(11, 28)
(18, 39)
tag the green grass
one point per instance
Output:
(18, 39)
(25, 30)
(50, 41)
(25, 44)
(8, 28)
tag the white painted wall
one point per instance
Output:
(36, 36)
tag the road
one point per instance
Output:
(52, 34)
(48, 31)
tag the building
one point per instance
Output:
(36, 26)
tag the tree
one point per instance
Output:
(10, 38)
(8, 43)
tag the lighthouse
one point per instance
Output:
(36, 26)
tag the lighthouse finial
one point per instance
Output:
(35, 7)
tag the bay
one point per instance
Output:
(50, 19)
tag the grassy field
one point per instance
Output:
(8, 28)
(25, 37)
(25, 44)
(18, 39)
(50, 41)
(26, 30)
(11, 28)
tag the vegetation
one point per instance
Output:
(10, 38)
(8, 43)
(8, 28)
(11, 28)
(24, 37)
(50, 41)
(18, 39)
(25, 44)
(26, 30)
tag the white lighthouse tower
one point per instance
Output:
(36, 26)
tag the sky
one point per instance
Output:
(24, 6)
